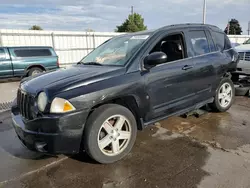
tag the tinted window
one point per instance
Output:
(199, 42)
(211, 42)
(219, 40)
(228, 44)
(2, 54)
(32, 52)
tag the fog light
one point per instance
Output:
(41, 146)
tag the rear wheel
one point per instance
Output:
(110, 133)
(34, 71)
(224, 97)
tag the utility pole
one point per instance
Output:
(248, 31)
(132, 10)
(204, 11)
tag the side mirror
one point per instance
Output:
(154, 59)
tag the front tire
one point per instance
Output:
(110, 133)
(224, 97)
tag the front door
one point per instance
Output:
(5, 64)
(170, 86)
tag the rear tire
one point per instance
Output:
(34, 71)
(110, 133)
(224, 97)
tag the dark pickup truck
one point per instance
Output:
(127, 83)
(26, 61)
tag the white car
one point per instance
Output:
(244, 52)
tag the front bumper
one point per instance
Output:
(54, 134)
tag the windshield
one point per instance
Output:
(115, 51)
(247, 42)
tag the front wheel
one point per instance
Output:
(110, 133)
(224, 96)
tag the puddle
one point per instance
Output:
(164, 134)
(228, 130)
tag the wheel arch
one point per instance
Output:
(34, 66)
(227, 75)
(128, 101)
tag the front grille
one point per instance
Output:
(244, 56)
(241, 54)
(25, 102)
(247, 56)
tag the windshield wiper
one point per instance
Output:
(92, 63)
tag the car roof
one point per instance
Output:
(189, 25)
(26, 47)
(176, 26)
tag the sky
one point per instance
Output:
(105, 15)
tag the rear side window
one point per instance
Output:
(199, 42)
(32, 52)
(2, 54)
(228, 44)
(219, 40)
(211, 42)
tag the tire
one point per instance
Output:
(221, 96)
(235, 78)
(34, 71)
(242, 91)
(95, 134)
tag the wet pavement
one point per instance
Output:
(8, 90)
(210, 151)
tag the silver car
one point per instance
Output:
(244, 52)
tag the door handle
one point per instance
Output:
(186, 67)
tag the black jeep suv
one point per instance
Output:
(127, 83)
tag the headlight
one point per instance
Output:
(60, 105)
(42, 101)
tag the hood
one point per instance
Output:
(67, 78)
(243, 48)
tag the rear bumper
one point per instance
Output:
(53, 134)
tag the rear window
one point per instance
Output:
(32, 52)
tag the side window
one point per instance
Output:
(219, 40)
(228, 44)
(2, 54)
(211, 42)
(199, 42)
(32, 52)
(173, 46)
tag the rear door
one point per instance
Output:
(5, 64)
(204, 57)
